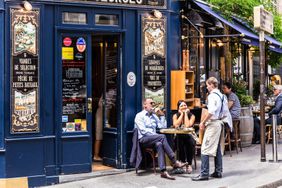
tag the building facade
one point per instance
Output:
(58, 60)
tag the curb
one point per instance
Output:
(274, 184)
(84, 176)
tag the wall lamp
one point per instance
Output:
(184, 17)
(27, 5)
(157, 14)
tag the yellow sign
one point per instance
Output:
(67, 53)
(83, 125)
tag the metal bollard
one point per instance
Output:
(274, 138)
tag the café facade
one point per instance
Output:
(58, 60)
(65, 64)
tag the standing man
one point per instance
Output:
(147, 121)
(212, 123)
(233, 100)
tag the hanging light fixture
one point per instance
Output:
(219, 43)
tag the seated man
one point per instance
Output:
(147, 122)
(277, 109)
(233, 100)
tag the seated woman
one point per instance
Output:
(184, 119)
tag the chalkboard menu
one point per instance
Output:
(154, 73)
(73, 84)
(24, 71)
(111, 62)
(111, 66)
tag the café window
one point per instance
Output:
(73, 84)
(74, 18)
(106, 19)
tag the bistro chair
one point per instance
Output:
(269, 132)
(140, 153)
(227, 138)
(147, 151)
(237, 137)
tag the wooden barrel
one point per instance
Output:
(246, 126)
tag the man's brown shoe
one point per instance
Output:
(165, 174)
(179, 164)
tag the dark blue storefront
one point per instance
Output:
(39, 141)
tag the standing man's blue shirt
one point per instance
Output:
(148, 123)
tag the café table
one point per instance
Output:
(257, 112)
(175, 132)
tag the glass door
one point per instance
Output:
(75, 103)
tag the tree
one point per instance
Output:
(243, 9)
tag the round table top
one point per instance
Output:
(177, 131)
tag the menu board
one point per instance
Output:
(111, 62)
(154, 73)
(154, 59)
(24, 71)
(111, 66)
(73, 84)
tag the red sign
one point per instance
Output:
(67, 41)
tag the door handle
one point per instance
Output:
(89, 105)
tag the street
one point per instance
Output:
(240, 170)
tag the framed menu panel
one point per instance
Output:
(24, 71)
(74, 83)
(154, 59)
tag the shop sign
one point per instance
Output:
(131, 79)
(67, 41)
(67, 53)
(154, 59)
(24, 71)
(145, 3)
(81, 44)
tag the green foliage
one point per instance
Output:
(246, 100)
(243, 9)
(239, 87)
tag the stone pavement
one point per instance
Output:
(243, 170)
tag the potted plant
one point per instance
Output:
(246, 117)
(239, 87)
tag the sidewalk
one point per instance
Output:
(241, 170)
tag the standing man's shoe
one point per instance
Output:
(166, 175)
(216, 175)
(200, 178)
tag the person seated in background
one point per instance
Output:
(233, 100)
(147, 121)
(277, 109)
(185, 119)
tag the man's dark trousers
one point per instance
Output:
(217, 161)
(159, 141)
